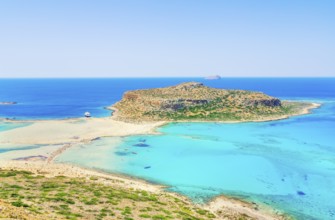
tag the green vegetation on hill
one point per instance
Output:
(78, 198)
(194, 101)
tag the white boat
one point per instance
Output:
(87, 114)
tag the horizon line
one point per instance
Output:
(134, 77)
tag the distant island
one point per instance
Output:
(193, 101)
(213, 77)
(8, 103)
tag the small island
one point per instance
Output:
(8, 103)
(193, 101)
(213, 77)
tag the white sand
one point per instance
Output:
(44, 151)
(74, 130)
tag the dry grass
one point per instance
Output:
(78, 198)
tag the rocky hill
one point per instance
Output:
(194, 101)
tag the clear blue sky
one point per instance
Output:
(113, 38)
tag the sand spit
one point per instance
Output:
(74, 131)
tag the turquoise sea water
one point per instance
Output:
(4, 149)
(288, 164)
(4, 126)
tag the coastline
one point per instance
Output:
(65, 133)
(223, 206)
(55, 136)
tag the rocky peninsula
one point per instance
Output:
(193, 101)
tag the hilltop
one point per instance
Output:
(193, 101)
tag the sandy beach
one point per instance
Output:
(74, 130)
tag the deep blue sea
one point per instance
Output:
(66, 98)
(288, 164)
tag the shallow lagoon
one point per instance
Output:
(5, 126)
(288, 164)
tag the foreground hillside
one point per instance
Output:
(194, 101)
(25, 195)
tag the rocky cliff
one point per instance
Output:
(195, 101)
